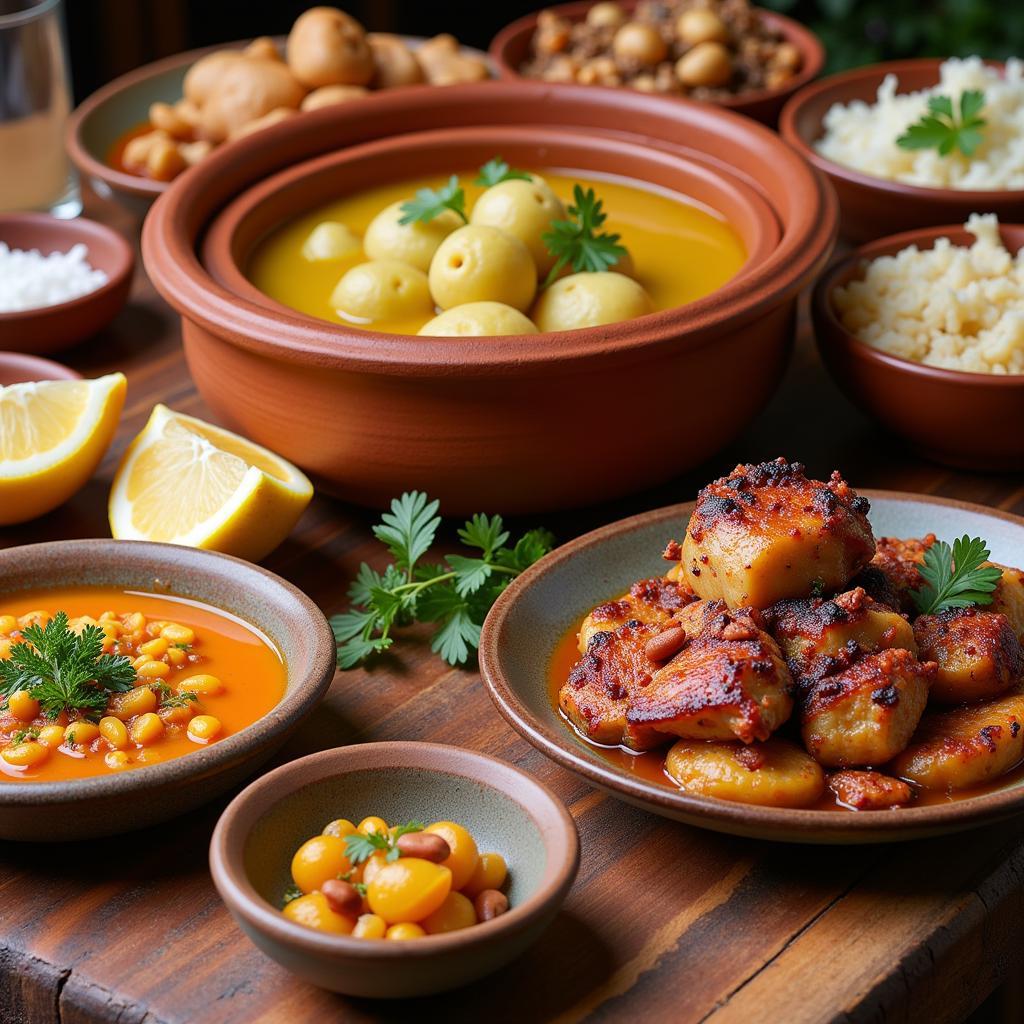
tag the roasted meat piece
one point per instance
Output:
(898, 563)
(865, 714)
(765, 533)
(653, 600)
(869, 791)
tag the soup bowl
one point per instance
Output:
(41, 811)
(504, 422)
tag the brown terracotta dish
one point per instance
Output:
(371, 412)
(957, 418)
(873, 207)
(256, 836)
(19, 368)
(511, 48)
(54, 328)
(105, 805)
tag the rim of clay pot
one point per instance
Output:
(830, 330)
(804, 201)
(554, 824)
(237, 230)
(515, 36)
(839, 88)
(27, 368)
(128, 560)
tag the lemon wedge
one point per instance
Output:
(52, 437)
(183, 481)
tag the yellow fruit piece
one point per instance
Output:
(340, 827)
(313, 911)
(370, 926)
(408, 889)
(318, 859)
(183, 481)
(455, 913)
(368, 826)
(405, 930)
(464, 856)
(491, 872)
(53, 435)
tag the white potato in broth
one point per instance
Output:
(479, 319)
(478, 263)
(589, 300)
(382, 290)
(414, 243)
(524, 209)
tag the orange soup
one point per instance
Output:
(188, 675)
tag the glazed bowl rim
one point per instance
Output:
(800, 823)
(42, 364)
(555, 826)
(894, 189)
(834, 333)
(297, 701)
(811, 50)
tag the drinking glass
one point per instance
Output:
(35, 173)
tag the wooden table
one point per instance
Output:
(665, 923)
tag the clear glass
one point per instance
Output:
(35, 99)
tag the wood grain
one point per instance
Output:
(665, 923)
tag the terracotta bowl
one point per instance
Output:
(18, 368)
(511, 47)
(106, 805)
(508, 423)
(960, 419)
(873, 207)
(54, 328)
(505, 809)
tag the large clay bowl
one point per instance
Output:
(19, 368)
(54, 328)
(509, 423)
(505, 809)
(873, 207)
(109, 804)
(511, 47)
(967, 420)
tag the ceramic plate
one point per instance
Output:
(527, 621)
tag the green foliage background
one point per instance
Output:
(864, 31)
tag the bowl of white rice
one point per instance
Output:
(848, 125)
(924, 331)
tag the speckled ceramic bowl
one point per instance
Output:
(504, 808)
(109, 804)
(551, 597)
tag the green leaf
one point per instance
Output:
(941, 105)
(496, 171)
(408, 529)
(577, 243)
(470, 573)
(366, 579)
(456, 638)
(352, 623)
(359, 648)
(530, 548)
(440, 601)
(941, 130)
(484, 532)
(430, 203)
(971, 103)
(956, 577)
(293, 892)
(361, 846)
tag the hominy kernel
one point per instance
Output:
(5, 647)
(51, 735)
(36, 618)
(176, 656)
(135, 623)
(116, 759)
(154, 648)
(133, 702)
(176, 634)
(204, 728)
(147, 728)
(175, 715)
(204, 684)
(114, 732)
(154, 670)
(139, 662)
(81, 734)
(25, 755)
(23, 705)
(8, 623)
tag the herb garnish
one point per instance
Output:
(956, 577)
(432, 202)
(63, 670)
(576, 242)
(21, 735)
(360, 887)
(361, 846)
(456, 593)
(496, 171)
(941, 129)
(293, 892)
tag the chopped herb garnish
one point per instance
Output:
(496, 171)
(359, 887)
(360, 847)
(432, 202)
(956, 577)
(178, 699)
(293, 892)
(63, 670)
(577, 242)
(21, 735)
(941, 129)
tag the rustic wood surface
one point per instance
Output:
(665, 923)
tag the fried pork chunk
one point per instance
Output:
(728, 682)
(654, 600)
(868, 791)
(765, 533)
(1008, 599)
(977, 653)
(865, 714)
(896, 565)
(820, 636)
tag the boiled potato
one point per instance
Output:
(394, 63)
(658, 599)
(382, 290)
(202, 76)
(965, 747)
(868, 790)
(328, 47)
(330, 240)
(415, 243)
(248, 88)
(589, 300)
(524, 209)
(478, 263)
(479, 320)
(444, 63)
(332, 95)
(1008, 599)
(775, 773)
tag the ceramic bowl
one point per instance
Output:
(54, 328)
(511, 47)
(960, 419)
(110, 804)
(19, 368)
(873, 207)
(370, 413)
(539, 607)
(504, 808)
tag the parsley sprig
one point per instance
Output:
(943, 130)
(432, 202)
(578, 242)
(361, 846)
(456, 594)
(63, 670)
(956, 577)
(496, 170)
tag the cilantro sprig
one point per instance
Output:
(956, 577)
(361, 846)
(64, 670)
(432, 202)
(578, 242)
(455, 594)
(496, 170)
(943, 130)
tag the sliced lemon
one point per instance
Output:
(183, 481)
(53, 435)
